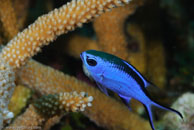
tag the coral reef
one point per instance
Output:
(46, 28)
(16, 52)
(115, 33)
(48, 106)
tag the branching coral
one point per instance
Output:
(112, 38)
(138, 57)
(56, 104)
(85, 43)
(30, 119)
(47, 80)
(49, 106)
(46, 28)
(109, 28)
(7, 84)
(8, 18)
(156, 66)
(21, 10)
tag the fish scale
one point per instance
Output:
(111, 72)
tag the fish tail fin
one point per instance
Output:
(167, 108)
(149, 111)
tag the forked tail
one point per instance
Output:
(149, 111)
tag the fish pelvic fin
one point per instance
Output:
(149, 111)
(126, 101)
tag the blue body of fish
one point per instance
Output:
(113, 73)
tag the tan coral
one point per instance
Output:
(78, 44)
(156, 63)
(8, 18)
(33, 118)
(29, 120)
(47, 80)
(75, 102)
(109, 28)
(52, 121)
(138, 58)
(47, 27)
(57, 104)
(21, 10)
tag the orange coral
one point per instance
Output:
(156, 66)
(109, 28)
(46, 28)
(34, 118)
(47, 80)
(17, 52)
(21, 10)
(54, 104)
(138, 58)
(30, 119)
(8, 18)
(78, 44)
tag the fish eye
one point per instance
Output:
(91, 62)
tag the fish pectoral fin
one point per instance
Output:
(126, 101)
(102, 88)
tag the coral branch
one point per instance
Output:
(137, 57)
(7, 84)
(156, 66)
(8, 18)
(49, 106)
(21, 10)
(46, 28)
(75, 50)
(109, 28)
(105, 111)
(56, 104)
(29, 120)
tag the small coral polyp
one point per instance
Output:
(7, 85)
(56, 104)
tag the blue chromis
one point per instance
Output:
(113, 73)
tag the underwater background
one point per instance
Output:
(52, 92)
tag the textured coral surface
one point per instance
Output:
(148, 34)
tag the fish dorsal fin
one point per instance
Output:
(146, 83)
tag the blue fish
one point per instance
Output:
(117, 75)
